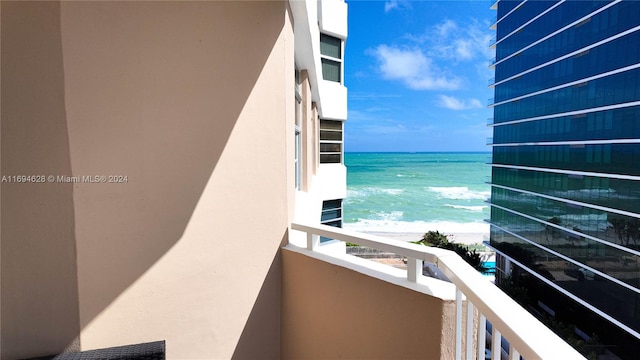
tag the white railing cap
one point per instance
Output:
(402, 248)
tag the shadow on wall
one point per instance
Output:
(254, 339)
(39, 285)
(147, 90)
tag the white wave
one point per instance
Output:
(392, 216)
(355, 194)
(366, 191)
(459, 193)
(402, 175)
(468, 208)
(392, 191)
(421, 227)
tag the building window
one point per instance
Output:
(330, 142)
(331, 215)
(331, 58)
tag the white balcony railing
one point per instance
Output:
(526, 336)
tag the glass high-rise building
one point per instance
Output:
(565, 184)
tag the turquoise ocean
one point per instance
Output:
(417, 192)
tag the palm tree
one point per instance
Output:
(439, 240)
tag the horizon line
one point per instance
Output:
(418, 152)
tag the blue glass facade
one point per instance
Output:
(566, 161)
(619, 123)
(540, 49)
(614, 55)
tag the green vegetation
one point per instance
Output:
(439, 240)
(477, 247)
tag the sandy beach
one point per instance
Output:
(460, 238)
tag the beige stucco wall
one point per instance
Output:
(333, 312)
(193, 103)
(38, 246)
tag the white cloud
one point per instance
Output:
(413, 68)
(433, 60)
(390, 5)
(462, 43)
(446, 27)
(454, 103)
(459, 42)
(396, 4)
(483, 71)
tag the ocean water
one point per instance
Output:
(417, 192)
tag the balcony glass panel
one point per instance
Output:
(610, 56)
(611, 90)
(524, 13)
(618, 194)
(614, 299)
(611, 227)
(621, 123)
(614, 20)
(600, 158)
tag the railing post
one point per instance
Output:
(458, 324)
(414, 269)
(482, 336)
(496, 344)
(515, 355)
(469, 329)
(312, 241)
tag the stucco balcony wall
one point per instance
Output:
(333, 310)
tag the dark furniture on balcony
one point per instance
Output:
(146, 351)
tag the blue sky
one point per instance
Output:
(417, 74)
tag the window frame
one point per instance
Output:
(327, 130)
(328, 59)
(329, 206)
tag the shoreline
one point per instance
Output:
(467, 239)
(460, 238)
